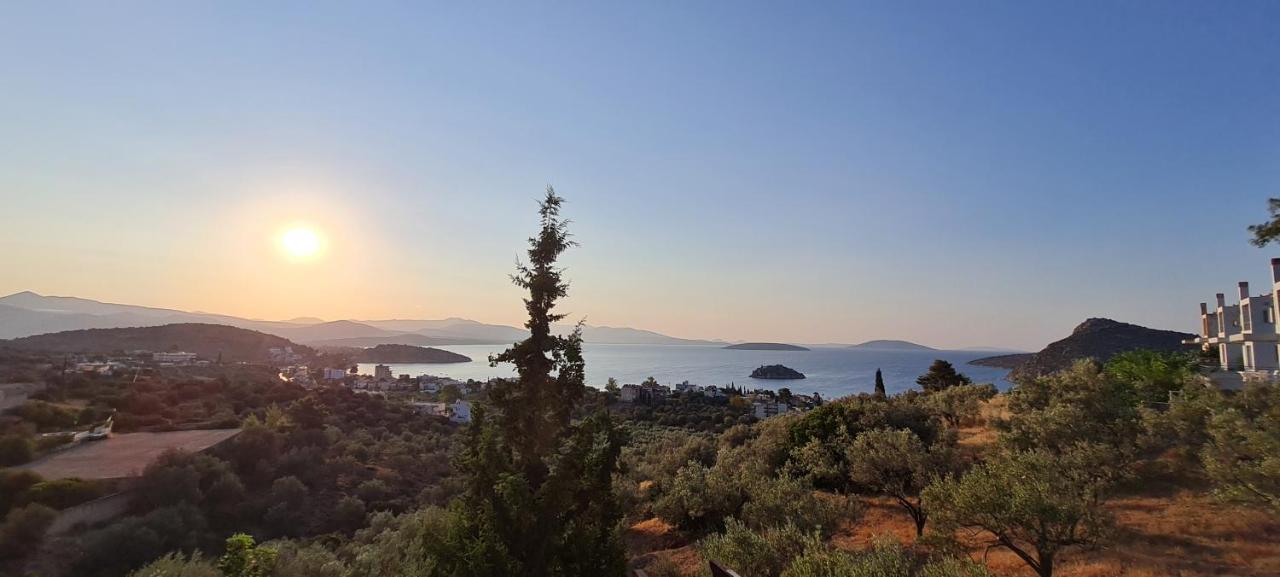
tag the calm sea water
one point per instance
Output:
(833, 372)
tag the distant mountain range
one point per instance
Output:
(26, 313)
(1095, 338)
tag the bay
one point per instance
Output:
(831, 371)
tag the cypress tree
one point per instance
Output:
(880, 385)
(538, 500)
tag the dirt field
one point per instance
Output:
(122, 455)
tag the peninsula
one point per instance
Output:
(766, 347)
(776, 372)
(410, 354)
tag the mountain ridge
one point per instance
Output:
(28, 313)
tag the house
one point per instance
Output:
(630, 393)
(766, 409)
(176, 358)
(1244, 334)
(460, 412)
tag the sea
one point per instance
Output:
(830, 371)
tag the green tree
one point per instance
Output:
(956, 404)
(941, 374)
(1034, 503)
(244, 558)
(539, 498)
(1080, 404)
(1243, 454)
(898, 464)
(880, 392)
(1265, 233)
(1152, 374)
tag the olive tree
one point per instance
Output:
(1243, 456)
(900, 465)
(1034, 503)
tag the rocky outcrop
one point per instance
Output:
(776, 372)
(1098, 339)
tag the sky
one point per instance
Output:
(956, 174)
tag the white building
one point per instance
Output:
(381, 372)
(334, 374)
(1244, 334)
(174, 358)
(766, 409)
(460, 412)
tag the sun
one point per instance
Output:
(300, 242)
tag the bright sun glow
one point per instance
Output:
(300, 242)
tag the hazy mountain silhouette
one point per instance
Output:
(28, 313)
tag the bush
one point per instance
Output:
(775, 502)
(24, 529)
(62, 493)
(13, 487)
(1078, 405)
(958, 404)
(15, 450)
(751, 554)
(178, 565)
(130, 542)
(1243, 455)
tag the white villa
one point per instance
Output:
(1244, 333)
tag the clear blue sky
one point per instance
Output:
(955, 173)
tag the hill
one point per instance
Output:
(766, 347)
(26, 313)
(1012, 361)
(410, 354)
(1095, 338)
(892, 345)
(206, 340)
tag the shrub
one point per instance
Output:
(23, 530)
(15, 450)
(178, 565)
(764, 554)
(62, 493)
(1243, 456)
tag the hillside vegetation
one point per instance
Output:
(211, 342)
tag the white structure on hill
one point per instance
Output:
(1244, 334)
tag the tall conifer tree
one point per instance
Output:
(539, 499)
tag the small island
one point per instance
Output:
(892, 345)
(410, 354)
(765, 347)
(776, 372)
